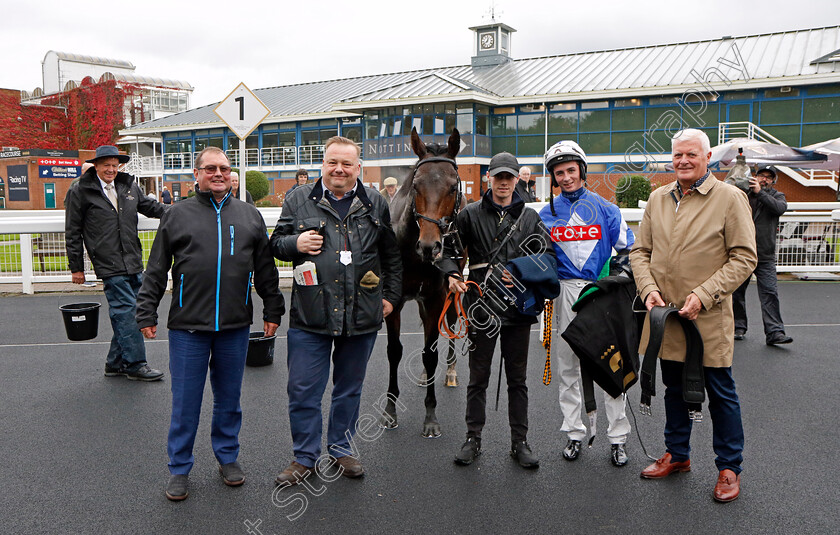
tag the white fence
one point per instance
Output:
(32, 242)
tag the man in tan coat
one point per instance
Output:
(695, 246)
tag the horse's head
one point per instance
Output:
(436, 192)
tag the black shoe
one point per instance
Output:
(469, 451)
(177, 488)
(572, 450)
(740, 334)
(778, 337)
(115, 372)
(618, 455)
(144, 373)
(232, 474)
(521, 451)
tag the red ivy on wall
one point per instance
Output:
(82, 118)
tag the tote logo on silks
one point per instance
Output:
(576, 233)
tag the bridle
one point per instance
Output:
(446, 224)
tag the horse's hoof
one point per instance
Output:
(431, 430)
(423, 382)
(388, 421)
(451, 379)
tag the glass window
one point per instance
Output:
(372, 128)
(814, 133)
(465, 123)
(781, 112)
(464, 107)
(287, 139)
(309, 124)
(428, 125)
(708, 117)
(787, 134)
(310, 137)
(563, 122)
(739, 95)
(781, 92)
(417, 124)
(530, 145)
(821, 110)
(270, 140)
(594, 105)
(633, 119)
(824, 90)
(504, 144)
(352, 132)
(594, 121)
(439, 125)
(482, 109)
(739, 112)
(252, 141)
(504, 110)
(661, 118)
(565, 106)
(627, 103)
(531, 124)
(451, 121)
(481, 125)
(395, 131)
(621, 141)
(216, 142)
(595, 143)
(327, 133)
(531, 108)
(504, 125)
(657, 101)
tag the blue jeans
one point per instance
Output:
(725, 410)
(127, 351)
(190, 353)
(309, 369)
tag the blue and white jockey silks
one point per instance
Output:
(584, 234)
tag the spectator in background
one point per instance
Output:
(166, 196)
(301, 178)
(525, 186)
(389, 189)
(234, 188)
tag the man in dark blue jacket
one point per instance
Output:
(348, 277)
(767, 205)
(217, 243)
(101, 216)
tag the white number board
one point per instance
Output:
(242, 111)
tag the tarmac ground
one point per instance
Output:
(87, 454)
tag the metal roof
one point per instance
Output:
(782, 58)
(150, 80)
(93, 60)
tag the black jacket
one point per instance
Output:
(339, 304)
(481, 227)
(216, 250)
(767, 205)
(110, 238)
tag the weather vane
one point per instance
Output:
(493, 11)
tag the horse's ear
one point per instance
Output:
(417, 144)
(454, 144)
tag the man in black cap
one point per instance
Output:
(767, 205)
(101, 213)
(496, 230)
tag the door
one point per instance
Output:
(49, 196)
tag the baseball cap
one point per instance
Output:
(504, 162)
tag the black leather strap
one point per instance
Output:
(694, 392)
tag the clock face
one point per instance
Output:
(488, 41)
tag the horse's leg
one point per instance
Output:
(451, 357)
(430, 314)
(395, 349)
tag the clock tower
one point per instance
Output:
(492, 44)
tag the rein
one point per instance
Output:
(463, 322)
(446, 223)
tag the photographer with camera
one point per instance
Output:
(767, 205)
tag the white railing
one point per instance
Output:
(32, 242)
(144, 165)
(807, 177)
(306, 155)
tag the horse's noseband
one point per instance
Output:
(446, 223)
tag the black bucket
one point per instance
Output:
(81, 320)
(260, 349)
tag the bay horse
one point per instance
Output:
(423, 216)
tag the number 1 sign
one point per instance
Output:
(242, 111)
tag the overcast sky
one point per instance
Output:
(214, 45)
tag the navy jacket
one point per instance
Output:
(213, 250)
(110, 236)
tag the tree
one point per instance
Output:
(255, 182)
(632, 189)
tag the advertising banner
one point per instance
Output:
(55, 171)
(18, 183)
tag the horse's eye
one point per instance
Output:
(454, 188)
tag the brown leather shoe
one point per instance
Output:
(665, 466)
(293, 474)
(728, 486)
(352, 466)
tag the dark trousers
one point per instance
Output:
(309, 356)
(514, 349)
(768, 295)
(127, 351)
(191, 354)
(724, 408)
